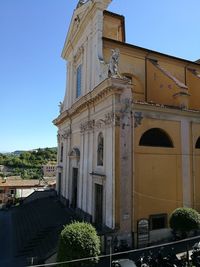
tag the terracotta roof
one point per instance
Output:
(18, 182)
(169, 75)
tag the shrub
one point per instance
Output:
(184, 220)
(78, 240)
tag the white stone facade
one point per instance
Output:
(78, 136)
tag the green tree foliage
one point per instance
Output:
(78, 240)
(184, 220)
(28, 163)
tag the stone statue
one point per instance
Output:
(80, 3)
(61, 107)
(113, 64)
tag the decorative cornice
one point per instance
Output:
(172, 110)
(107, 87)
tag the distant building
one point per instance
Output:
(49, 169)
(15, 187)
(128, 129)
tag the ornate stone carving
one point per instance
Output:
(61, 106)
(126, 105)
(110, 119)
(78, 53)
(87, 126)
(113, 64)
(58, 137)
(81, 2)
(66, 134)
(137, 118)
(99, 124)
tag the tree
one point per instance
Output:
(78, 240)
(28, 163)
(184, 220)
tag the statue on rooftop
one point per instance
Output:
(61, 105)
(81, 2)
(113, 64)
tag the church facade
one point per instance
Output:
(128, 129)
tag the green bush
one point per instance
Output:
(78, 240)
(184, 220)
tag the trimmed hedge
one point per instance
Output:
(78, 240)
(184, 220)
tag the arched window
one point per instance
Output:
(198, 143)
(155, 137)
(100, 150)
(61, 153)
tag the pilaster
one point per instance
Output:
(186, 168)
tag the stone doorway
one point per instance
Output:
(98, 205)
(74, 187)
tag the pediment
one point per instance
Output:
(80, 16)
(77, 19)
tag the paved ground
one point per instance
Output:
(6, 249)
(15, 231)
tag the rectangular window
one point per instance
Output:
(78, 80)
(158, 221)
(12, 191)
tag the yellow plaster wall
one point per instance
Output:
(113, 28)
(176, 68)
(193, 83)
(149, 80)
(160, 88)
(158, 181)
(130, 64)
(196, 166)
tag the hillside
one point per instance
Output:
(28, 163)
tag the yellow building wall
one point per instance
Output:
(196, 166)
(160, 88)
(149, 82)
(176, 68)
(130, 64)
(113, 27)
(158, 179)
(193, 83)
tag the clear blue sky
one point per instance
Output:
(33, 75)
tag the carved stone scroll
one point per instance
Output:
(138, 119)
(87, 126)
(110, 119)
(66, 134)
